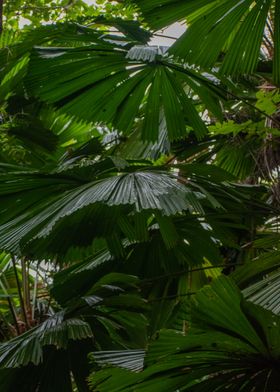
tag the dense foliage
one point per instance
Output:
(139, 188)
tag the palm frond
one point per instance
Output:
(218, 352)
(129, 359)
(160, 14)
(45, 210)
(257, 268)
(265, 293)
(94, 82)
(223, 30)
(28, 348)
(109, 315)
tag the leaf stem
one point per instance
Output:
(182, 272)
(19, 292)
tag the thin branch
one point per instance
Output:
(25, 286)
(19, 292)
(174, 296)
(13, 315)
(35, 292)
(187, 271)
(165, 36)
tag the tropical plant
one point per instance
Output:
(132, 176)
(224, 31)
(107, 315)
(231, 344)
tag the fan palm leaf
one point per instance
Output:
(39, 206)
(46, 209)
(108, 315)
(235, 29)
(265, 293)
(115, 85)
(231, 345)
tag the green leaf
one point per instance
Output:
(217, 352)
(113, 85)
(28, 348)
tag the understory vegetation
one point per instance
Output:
(140, 196)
